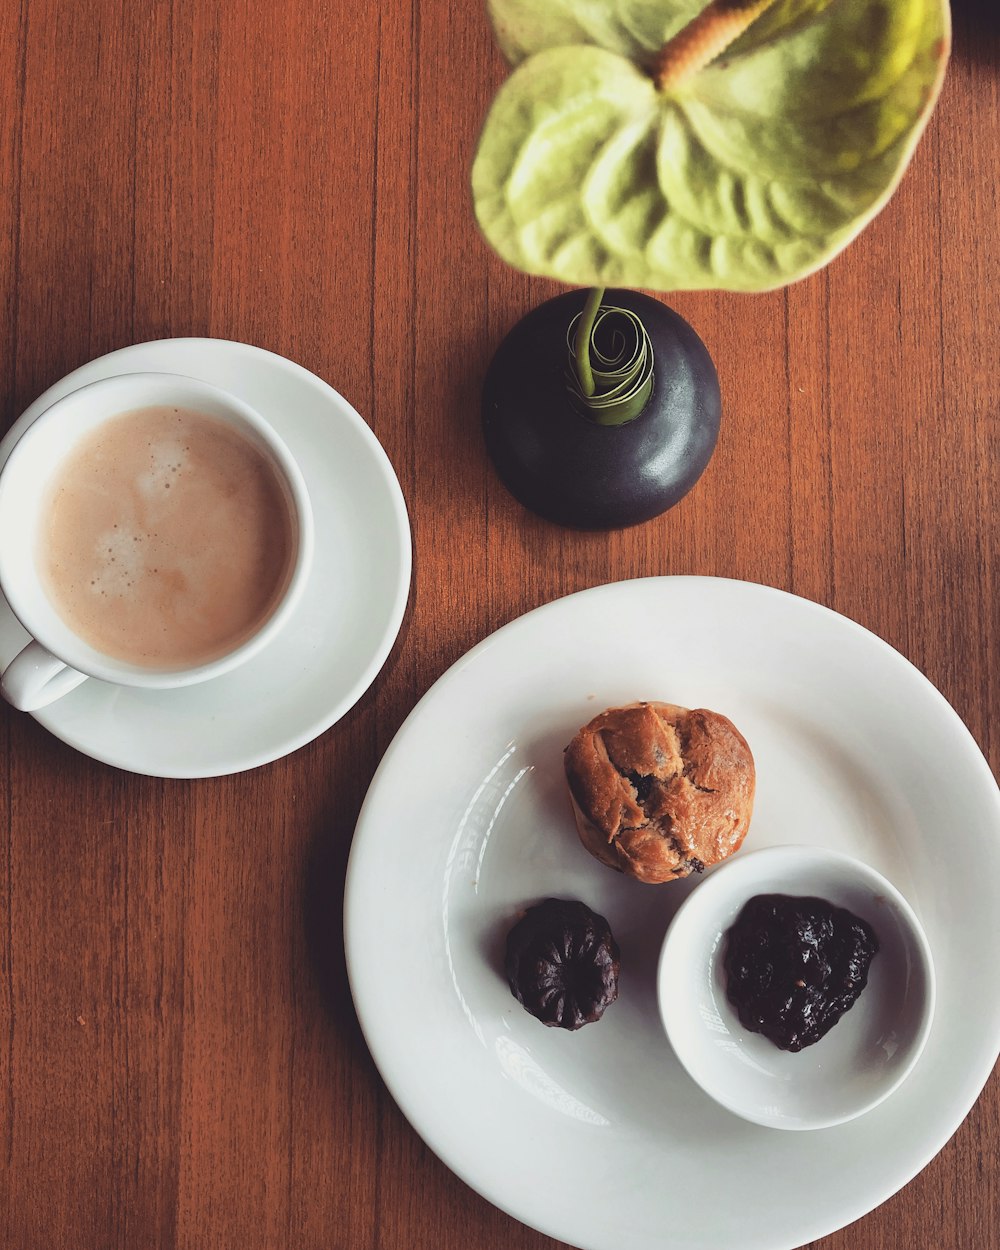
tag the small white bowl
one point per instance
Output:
(868, 1052)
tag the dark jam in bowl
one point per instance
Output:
(795, 965)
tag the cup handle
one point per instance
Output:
(35, 678)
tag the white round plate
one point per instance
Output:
(870, 1050)
(599, 1137)
(328, 654)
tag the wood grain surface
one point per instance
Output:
(180, 1064)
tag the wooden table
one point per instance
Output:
(180, 1064)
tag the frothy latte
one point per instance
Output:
(168, 538)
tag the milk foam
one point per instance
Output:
(118, 562)
(168, 539)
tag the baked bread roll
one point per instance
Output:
(659, 791)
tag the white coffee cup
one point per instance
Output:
(57, 659)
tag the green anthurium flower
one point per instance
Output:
(600, 164)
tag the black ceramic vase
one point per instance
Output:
(560, 462)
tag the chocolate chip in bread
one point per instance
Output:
(660, 791)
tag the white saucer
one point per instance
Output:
(331, 650)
